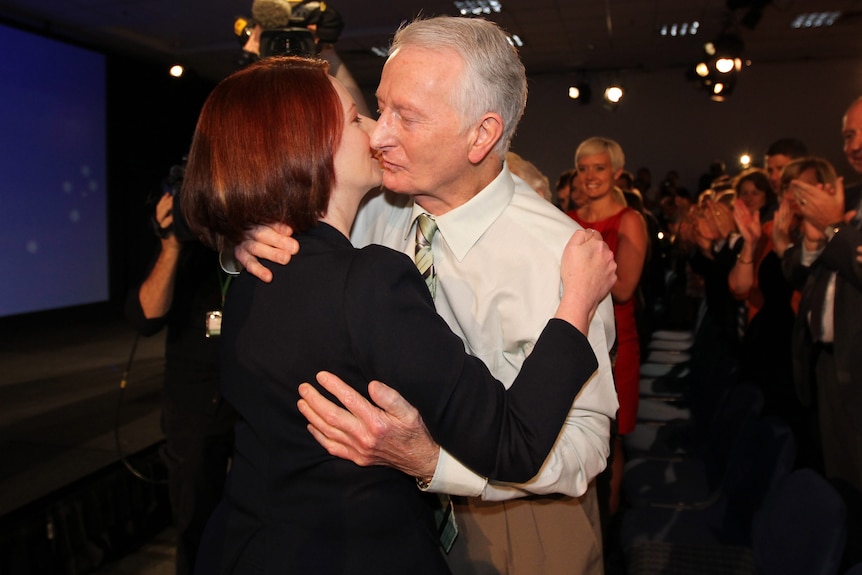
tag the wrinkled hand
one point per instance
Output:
(820, 205)
(267, 242)
(392, 434)
(588, 272)
(747, 222)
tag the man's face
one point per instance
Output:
(774, 164)
(422, 144)
(852, 133)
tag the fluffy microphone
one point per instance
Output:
(271, 14)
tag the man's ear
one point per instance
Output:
(484, 136)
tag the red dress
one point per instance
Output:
(628, 358)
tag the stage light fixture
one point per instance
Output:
(614, 93)
(718, 70)
(582, 93)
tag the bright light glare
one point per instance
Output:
(724, 65)
(613, 94)
(177, 71)
(574, 93)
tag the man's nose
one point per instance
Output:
(382, 132)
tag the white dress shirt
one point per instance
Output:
(498, 282)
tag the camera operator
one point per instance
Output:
(281, 28)
(183, 293)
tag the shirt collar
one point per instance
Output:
(462, 227)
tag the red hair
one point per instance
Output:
(263, 150)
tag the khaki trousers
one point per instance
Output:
(537, 535)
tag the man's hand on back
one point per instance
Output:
(270, 242)
(392, 434)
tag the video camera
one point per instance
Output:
(172, 184)
(290, 28)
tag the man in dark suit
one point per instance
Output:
(828, 332)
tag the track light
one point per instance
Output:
(614, 93)
(582, 93)
(718, 69)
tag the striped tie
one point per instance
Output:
(426, 227)
(425, 230)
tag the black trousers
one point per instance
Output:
(197, 451)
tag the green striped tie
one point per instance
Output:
(425, 230)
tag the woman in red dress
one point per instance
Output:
(602, 206)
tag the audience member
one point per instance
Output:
(528, 172)
(490, 228)
(717, 170)
(367, 314)
(713, 232)
(643, 182)
(563, 190)
(183, 293)
(651, 307)
(599, 162)
(779, 154)
(757, 279)
(827, 331)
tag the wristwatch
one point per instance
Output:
(423, 483)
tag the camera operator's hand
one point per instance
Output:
(274, 243)
(165, 220)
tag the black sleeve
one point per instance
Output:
(402, 341)
(839, 254)
(135, 315)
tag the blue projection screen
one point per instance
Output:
(53, 205)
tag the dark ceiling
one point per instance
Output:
(558, 35)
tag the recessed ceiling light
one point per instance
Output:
(679, 29)
(477, 7)
(815, 20)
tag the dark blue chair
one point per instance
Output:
(724, 518)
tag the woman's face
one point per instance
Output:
(356, 164)
(596, 175)
(753, 197)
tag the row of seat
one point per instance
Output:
(710, 486)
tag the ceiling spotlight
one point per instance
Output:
(177, 71)
(724, 65)
(722, 62)
(613, 94)
(581, 92)
(721, 91)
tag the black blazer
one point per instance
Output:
(838, 256)
(365, 314)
